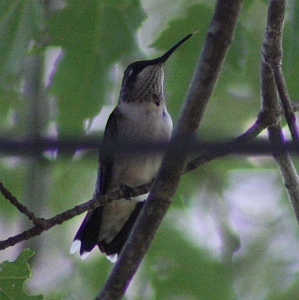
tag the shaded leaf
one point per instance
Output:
(13, 275)
(93, 36)
(21, 21)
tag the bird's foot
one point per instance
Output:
(127, 191)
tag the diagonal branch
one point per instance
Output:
(218, 40)
(272, 81)
(276, 138)
(272, 53)
(14, 201)
(42, 225)
(265, 119)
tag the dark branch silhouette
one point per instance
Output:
(218, 39)
(211, 151)
(273, 84)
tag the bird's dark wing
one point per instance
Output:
(116, 245)
(88, 233)
(89, 229)
(106, 157)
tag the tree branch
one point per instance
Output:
(273, 52)
(271, 81)
(14, 201)
(37, 146)
(279, 151)
(217, 41)
(211, 151)
(42, 225)
(264, 120)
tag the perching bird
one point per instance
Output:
(141, 114)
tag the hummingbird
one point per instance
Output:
(141, 114)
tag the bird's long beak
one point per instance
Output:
(164, 57)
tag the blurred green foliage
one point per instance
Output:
(96, 39)
(13, 275)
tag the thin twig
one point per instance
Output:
(14, 201)
(45, 224)
(264, 120)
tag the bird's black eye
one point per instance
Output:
(130, 72)
(135, 68)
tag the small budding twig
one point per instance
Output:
(21, 208)
(42, 225)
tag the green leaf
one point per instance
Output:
(180, 66)
(93, 35)
(13, 275)
(21, 22)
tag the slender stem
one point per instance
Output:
(272, 84)
(42, 225)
